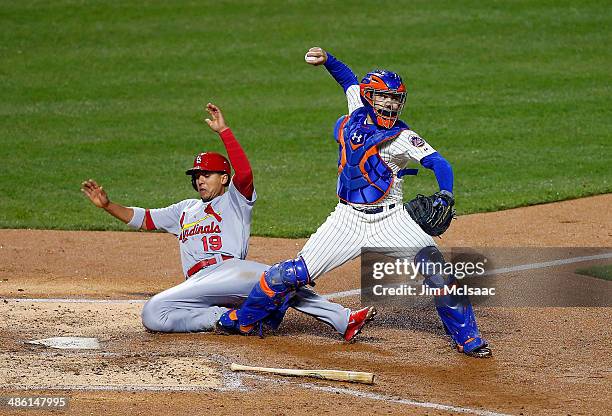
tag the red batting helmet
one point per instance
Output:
(211, 162)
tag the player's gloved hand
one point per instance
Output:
(216, 121)
(316, 56)
(96, 194)
(445, 198)
(440, 201)
(432, 213)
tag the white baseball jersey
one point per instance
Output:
(346, 230)
(409, 146)
(205, 229)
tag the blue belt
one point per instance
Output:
(373, 210)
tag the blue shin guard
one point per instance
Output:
(269, 299)
(459, 322)
(276, 318)
(454, 310)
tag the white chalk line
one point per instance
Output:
(72, 300)
(119, 388)
(380, 397)
(235, 384)
(545, 264)
(335, 295)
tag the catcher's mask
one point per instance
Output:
(380, 82)
(209, 162)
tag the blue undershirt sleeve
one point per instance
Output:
(341, 73)
(441, 168)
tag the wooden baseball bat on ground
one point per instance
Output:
(338, 375)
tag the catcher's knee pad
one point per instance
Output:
(271, 295)
(430, 263)
(454, 310)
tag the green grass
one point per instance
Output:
(515, 94)
(601, 272)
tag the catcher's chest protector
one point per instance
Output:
(363, 176)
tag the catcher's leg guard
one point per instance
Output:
(228, 324)
(276, 318)
(455, 311)
(268, 300)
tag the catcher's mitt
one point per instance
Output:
(433, 213)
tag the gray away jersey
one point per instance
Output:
(221, 226)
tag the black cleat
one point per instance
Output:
(480, 352)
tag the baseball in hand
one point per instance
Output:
(310, 59)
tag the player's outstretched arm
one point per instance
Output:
(338, 69)
(98, 196)
(243, 177)
(340, 72)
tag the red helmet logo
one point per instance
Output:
(210, 162)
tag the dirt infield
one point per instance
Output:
(93, 284)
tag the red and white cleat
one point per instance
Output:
(357, 320)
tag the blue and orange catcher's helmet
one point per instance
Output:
(386, 83)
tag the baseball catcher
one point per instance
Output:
(374, 146)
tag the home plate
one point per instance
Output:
(68, 343)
